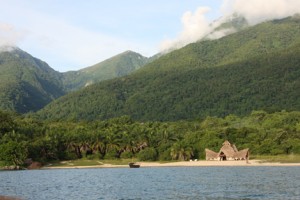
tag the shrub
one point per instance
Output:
(111, 155)
(126, 154)
(165, 156)
(148, 154)
(91, 156)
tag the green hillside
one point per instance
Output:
(117, 66)
(26, 83)
(256, 68)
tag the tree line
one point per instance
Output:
(117, 138)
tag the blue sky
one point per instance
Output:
(70, 35)
(73, 34)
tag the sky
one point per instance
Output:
(70, 35)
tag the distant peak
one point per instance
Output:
(128, 51)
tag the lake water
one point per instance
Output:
(154, 183)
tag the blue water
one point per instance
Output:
(154, 183)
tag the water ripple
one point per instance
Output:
(154, 183)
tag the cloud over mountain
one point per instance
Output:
(196, 26)
(9, 36)
(256, 11)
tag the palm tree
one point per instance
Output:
(179, 152)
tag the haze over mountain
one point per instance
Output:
(255, 68)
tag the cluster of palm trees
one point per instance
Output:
(111, 139)
(263, 133)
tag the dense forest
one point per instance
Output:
(257, 68)
(264, 133)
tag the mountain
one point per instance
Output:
(26, 83)
(117, 66)
(256, 68)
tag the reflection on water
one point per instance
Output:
(154, 183)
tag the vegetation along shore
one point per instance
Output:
(122, 138)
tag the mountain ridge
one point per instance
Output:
(116, 66)
(192, 82)
(27, 83)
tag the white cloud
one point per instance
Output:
(256, 11)
(195, 27)
(9, 36)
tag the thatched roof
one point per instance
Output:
(243, 154)
(234, 148)
(210, 153)
(229, 151)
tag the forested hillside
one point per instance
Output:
(253, 69)
(26, 83)
(117, 66)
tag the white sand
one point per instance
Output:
(200, 163)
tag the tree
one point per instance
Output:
(180, 152)
(6, 123)
(13, 153)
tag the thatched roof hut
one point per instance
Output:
(211, 155)
(227, 152)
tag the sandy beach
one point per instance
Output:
(8, 198)
(201, 163)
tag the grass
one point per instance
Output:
(79, 162)
(119, 161)
(90, 162)
(94, 162)
(292, 158)
(2, 164)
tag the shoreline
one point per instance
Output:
(201, 163)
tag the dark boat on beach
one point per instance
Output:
(134, 165)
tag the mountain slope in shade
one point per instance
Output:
(26, 83)
(117, 66)
(256, 68)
